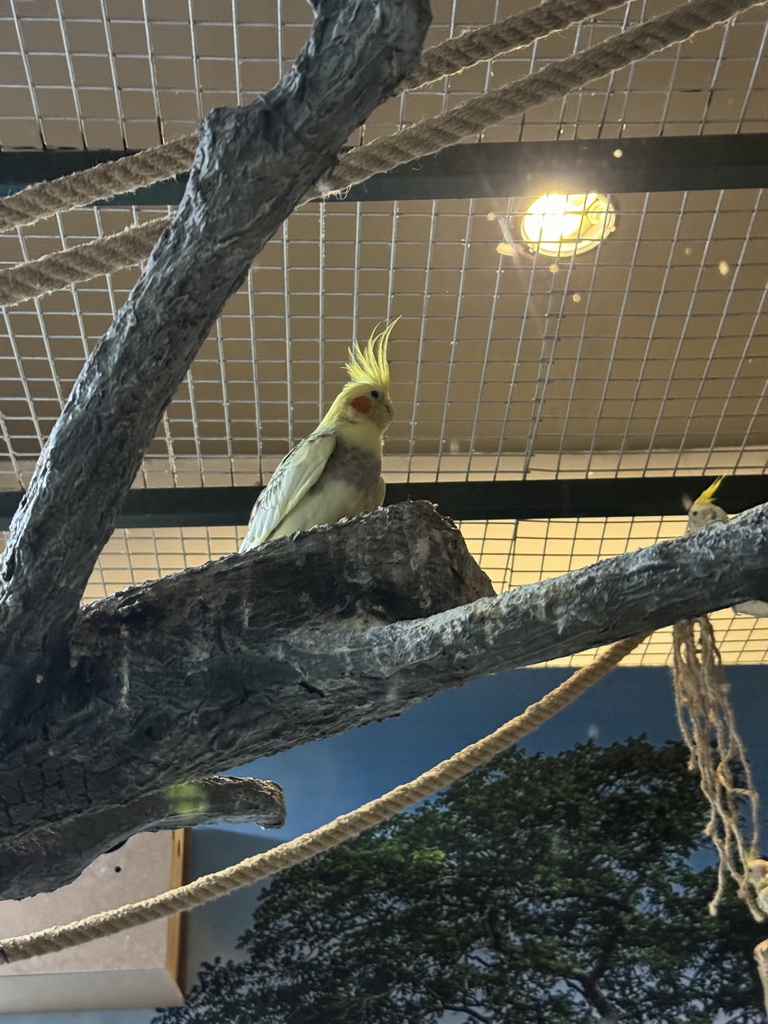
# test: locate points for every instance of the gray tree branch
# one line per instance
(60, 852)
(312, 635)
(252, 166)
(116, 732)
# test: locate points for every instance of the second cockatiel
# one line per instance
(703, 511)
(336, 471)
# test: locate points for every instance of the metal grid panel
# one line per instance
(655, 344)
(111, 73)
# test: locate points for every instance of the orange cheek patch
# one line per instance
(362, 404)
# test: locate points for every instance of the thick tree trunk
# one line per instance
(312, 635)
(196, 672)
(252, 166)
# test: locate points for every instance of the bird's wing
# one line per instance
(758, 610)
(299, 470)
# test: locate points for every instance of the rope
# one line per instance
(475, 45)
(131, 172)
(472, 117)
(210, 887)
(708, 727)
(80, 263)
(556, 79)
(108, 179)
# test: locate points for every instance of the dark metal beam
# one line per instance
(603, 165)
(491, 169)
(513, 499)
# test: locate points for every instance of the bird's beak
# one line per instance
(391, 410)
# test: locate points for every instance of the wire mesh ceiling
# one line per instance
(646, 356)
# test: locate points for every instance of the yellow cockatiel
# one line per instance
(336, 471)
(703, 511)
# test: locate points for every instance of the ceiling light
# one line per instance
(566, 225)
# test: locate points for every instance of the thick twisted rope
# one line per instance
(80, 263)
(428, 136)
(475, 45)
(100, 182)
(151, 165)
(211, 887)
(556, 79)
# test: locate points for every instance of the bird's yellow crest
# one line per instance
(369, 365)
(707, 495)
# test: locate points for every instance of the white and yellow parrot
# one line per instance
(703, 511)
(336, 471)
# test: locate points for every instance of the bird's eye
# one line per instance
(374, 394)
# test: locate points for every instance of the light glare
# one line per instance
(566, 225)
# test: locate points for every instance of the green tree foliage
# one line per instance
(540, 890)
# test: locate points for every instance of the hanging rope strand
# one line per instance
(708, 727)
(558, 79)
(46, 198)
(210, 887)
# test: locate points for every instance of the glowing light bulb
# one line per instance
(567, 225)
